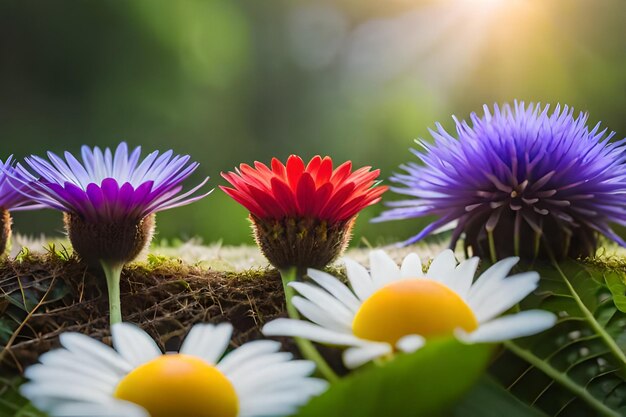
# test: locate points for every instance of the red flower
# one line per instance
(299, 191)
(303, 215)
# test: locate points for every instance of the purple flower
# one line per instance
(109, 202)
(11, 199)
(107, 187)
(10, 196)
(518, 181)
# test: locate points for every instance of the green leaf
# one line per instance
(489, 399)
(12, 404)
(616, 281)
(424, 383)
(577, 368)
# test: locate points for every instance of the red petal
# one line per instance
(321, 198)
(357, 204)
(245, 200)
(263, 170)
(236, 181)
(306, 195)
(325, 171)
(295, 168)
(252, 176)
(336, 201)
(314, 165)
(341, 173)
(267, 201)
(279, 169)
(284, 196)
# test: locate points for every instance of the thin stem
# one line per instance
(492, 246)
(561, 378)
(113, 273)
(307, 348)
(615, 349)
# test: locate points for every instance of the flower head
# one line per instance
(399, 308)
(519, 180)
(11, 199)
(303, 214)
(10, 196)
(109, 197)
(87, 378)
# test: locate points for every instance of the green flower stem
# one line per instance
(307, 348)
(562, 378)
(113, 273)
(597, 327)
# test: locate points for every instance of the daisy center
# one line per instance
(179, 385)
(414, 306)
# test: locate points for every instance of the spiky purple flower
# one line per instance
(109, 200)
(518, 181)
(108, 197)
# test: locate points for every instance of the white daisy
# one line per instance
(87, 378)
(398, 308)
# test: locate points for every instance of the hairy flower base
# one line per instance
(301, 242)
(5, 229)
(546, 239)
(115, 243)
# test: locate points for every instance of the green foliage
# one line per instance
(489, 399)
(616, 284)
(424, 383)
(12, 404)
(577, 368)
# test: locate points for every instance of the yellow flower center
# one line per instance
(179, 385)
(413, 306)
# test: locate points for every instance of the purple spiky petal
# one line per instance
(518, 181)
(108, 186)
(10, 196)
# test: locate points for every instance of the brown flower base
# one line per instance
(550, 240)
(115, 243)
(301, 242)
(5, 229)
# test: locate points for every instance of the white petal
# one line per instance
(95, 352)
(521, 324)
(54, 375)
(310, 331)
(464, 275)
(133, 344)
(283, 402)
(240, 356)
(42, 395)
(318, 315)
(383, 269)
(442, 267)
(274, 373)
(410, 343)
(508, 293)
(64, 359)
(207, 341)
(324, 300)
(411, 267)
(110, 409)
(242, 373)
(359, 278)
(492, 276)
(336, 288)
(357, 356)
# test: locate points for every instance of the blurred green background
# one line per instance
(232, 81)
